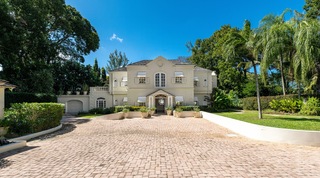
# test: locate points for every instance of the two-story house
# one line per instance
(153, 83)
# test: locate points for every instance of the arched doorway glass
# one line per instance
(160, 101)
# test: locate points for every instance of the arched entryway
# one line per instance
(160, 101)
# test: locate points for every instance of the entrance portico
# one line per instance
(160, 99)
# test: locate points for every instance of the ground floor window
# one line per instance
(101, 103)
(142, 104)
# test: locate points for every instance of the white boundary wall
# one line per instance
(272, 134)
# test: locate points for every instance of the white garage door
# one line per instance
(74, 107)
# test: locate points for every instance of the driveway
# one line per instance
(163, 146)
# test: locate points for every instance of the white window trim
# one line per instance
(160, 78)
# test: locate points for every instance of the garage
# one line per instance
(74, 106)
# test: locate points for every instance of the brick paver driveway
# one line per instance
(159, 147)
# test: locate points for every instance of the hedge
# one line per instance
(25, 118)
(250, 103)
(21, 97)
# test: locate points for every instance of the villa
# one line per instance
(152, 83)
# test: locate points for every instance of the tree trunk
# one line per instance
(257, 88)
(282, 76)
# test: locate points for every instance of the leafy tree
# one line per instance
(312, 8)
(117, 60)
(96, 68)
(103, 74)
(307, 56)
(34, 34)
(241, 45)
(278, 46)
(229, 77)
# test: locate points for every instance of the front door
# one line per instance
(160, 105)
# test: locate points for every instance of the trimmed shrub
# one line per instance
(250, 103)
(131, 108)
(188, 108)
(290, 105)
(24, 118)
(21, 97)
(101, 110)
(311, 107)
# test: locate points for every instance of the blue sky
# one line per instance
(145, 29)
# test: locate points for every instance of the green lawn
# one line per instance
(88, 116)
(281, 121)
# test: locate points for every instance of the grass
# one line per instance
(280, 121)
(88, 116)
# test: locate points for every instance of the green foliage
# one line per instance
(125, 110)
(33, 117)
(250, 103)
(285, 121)
(21, 97)
(131, 108)
(144, 109)
(196, 109)
(178, 109)
(311, 107)
(117, 60)
(229, 77)
(289, 105)
(221, 100)
(101, 110)
(312, 8)
(70, 75)
(234, 99)
(34, 34)
(187, 108)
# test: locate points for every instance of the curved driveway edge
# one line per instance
(264, 133)
(30, 136)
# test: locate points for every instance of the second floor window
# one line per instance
(142, 80)
(178, 80)
(160, 80)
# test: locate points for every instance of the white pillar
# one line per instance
(1, 103)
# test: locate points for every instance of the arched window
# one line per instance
(101, 103)
(160, 80)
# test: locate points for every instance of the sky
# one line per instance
(146, 29)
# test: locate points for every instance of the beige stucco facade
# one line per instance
(153, 83)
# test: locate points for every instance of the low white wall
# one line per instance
(253, 131)
(34, 135)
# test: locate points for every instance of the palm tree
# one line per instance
(277, 36)
(307, 56)
(242, 46)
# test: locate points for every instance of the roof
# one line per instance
(6, 84)
(119, 69)
(145, 62)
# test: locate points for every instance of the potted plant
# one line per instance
(169, 110)
(4, 126)
(152, 110)
(126, 112)
(178, 112)
(78, 90)
(144, 112)
(85, 89)
(196, 113)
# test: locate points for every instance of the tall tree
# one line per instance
(312, 8)
(117, 60)
(96, 68)
(307, 57)
(278, 49)
(35, 33)
(241, 45)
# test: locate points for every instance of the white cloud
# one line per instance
(115, 37)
